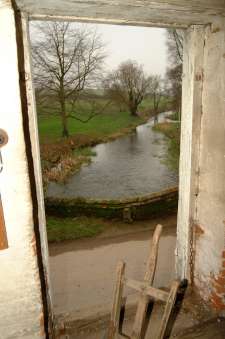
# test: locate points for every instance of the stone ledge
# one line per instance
(139, 208)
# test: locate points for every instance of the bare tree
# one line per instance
(175, 45)
(174, 71)
(127, 85)
(66, 58)
(156, 93)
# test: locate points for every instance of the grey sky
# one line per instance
(144, 44)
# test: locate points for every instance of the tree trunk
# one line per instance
(65, 131)
(133, 110)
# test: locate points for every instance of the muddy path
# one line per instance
(82, 272)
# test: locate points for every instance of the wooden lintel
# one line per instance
(158, 12)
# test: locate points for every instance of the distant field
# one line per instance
(50, 126)
(109, 122)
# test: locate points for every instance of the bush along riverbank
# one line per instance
(172, 131)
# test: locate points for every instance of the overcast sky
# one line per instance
(144, 44)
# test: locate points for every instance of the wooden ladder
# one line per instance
(146, 293)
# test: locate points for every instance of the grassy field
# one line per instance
(109, 122)
(147, 104)
(100, 126)
(172, 132)
(61, 229)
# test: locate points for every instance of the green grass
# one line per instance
(61, 229)
(172, 132)
(147, 103)
(100, 126)
(107, 123)
(175, 116)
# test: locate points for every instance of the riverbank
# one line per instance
(130, 209)
(172, 131)
(62, 231)
(63, 157)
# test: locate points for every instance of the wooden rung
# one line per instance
(148, 290)
(125, 336)
(148, 278)
(148, 295)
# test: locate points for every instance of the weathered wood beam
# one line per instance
(193, 76)
(117, 302)
(148, 279)
(128, 12)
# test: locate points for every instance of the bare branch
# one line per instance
(93, 114)
(66, 59)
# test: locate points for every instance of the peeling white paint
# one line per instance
(20, 294)
(211, 199)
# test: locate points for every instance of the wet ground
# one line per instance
(82, 272)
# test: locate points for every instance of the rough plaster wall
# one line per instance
(211, 199)
(21, 302)
(158, 12)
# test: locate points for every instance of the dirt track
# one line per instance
(82, 272)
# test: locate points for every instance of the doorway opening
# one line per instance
(109, 143)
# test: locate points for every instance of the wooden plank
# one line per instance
(148, 290)
(168, 309)
(3, 236)
(193, 77)
(170, 12)
(149, 278)
(117, 302)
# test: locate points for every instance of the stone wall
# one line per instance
(141, 208)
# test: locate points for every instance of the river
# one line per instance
(133, 165)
